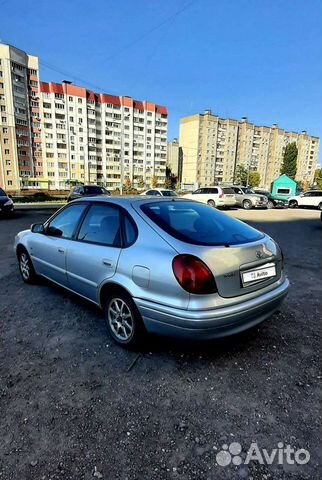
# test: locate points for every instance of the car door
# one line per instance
(307, 200)
(238, 194)
(198, 195)
(94, 254)
(48, 250)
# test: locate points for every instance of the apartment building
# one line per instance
(174, 159)
(54, 135)
(213, 148)
(20, 124)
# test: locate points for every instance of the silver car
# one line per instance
(166, 266)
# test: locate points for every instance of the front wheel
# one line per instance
(320, 206)
(123, 320)
(270, 204)
(293, 204)
(26, 267)
(247, 204)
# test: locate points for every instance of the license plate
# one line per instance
(261, 273)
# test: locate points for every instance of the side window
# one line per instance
(213, 190)
(77, 190)
(238, 191)
(149, 192)
(130, 231)
(67, 221)
(101, 225)
(308, 194)
(203, 190)
(197, 192)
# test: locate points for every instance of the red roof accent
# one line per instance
(160, 109)
(138, 105)
(44, 87)
(106, 98)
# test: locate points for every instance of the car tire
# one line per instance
(270, 204)
(211, 203)
(123, 320)
(320, 206)
(247, 205)
(26, 267)
(293, 204)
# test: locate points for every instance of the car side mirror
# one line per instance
(37, 228)
(54, 232)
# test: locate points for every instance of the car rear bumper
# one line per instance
(215, 323)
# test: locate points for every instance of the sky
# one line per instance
(256, 58)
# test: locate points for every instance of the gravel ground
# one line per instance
(75, 406)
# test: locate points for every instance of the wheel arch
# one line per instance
(108, 288)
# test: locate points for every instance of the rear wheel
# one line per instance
(211, 203)
(123, 320)
(26, 267)
(270, 204)
(320, 206)
(247, 204)
(293, 204)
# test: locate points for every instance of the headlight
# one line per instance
(9, 202)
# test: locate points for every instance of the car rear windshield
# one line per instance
(95, 190)
(199, 224)
(169, 193)
(228, 190)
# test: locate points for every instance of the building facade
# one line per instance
(174, 159)
(56, 135)
(213, 148)
(20, 124)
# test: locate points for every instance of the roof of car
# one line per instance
(129, 199)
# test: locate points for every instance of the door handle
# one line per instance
(107, 262)
(61, 250)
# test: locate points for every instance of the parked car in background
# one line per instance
(312, 199)
(160, 192)
(247, 198)
(6, 204)
(87, 191)
(214, 196)
(167, 266)
(273, 202)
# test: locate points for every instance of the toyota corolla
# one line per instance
(158, 265)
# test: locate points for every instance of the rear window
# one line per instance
(228, 190)
(95, 190)
(169, 193)
(199, 224)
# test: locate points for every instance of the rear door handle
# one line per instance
(107, 262)
(61, 250)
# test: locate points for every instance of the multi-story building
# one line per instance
(174, 159)
(214, 147)
(54, 135)
(20, 142)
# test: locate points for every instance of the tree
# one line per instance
(141, 184)
(318, 178)
(241, 175)
(154, 182)
(254, 179)
(127, 185)
(178, 185)
(167, 183)
(289, 160)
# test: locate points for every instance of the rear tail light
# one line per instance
(193, 275)
(221, 195)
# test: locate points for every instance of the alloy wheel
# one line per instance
(120, 319)
(24, 266)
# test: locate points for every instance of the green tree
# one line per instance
(241, 175)
(141, 184)
(254, 179)
(127, 185)
(178, 185)
(318, 178)
(289, 160)
(155, 181)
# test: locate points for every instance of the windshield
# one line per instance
(169, 193)
(2, 193)
(247, 190)
(199, 224)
